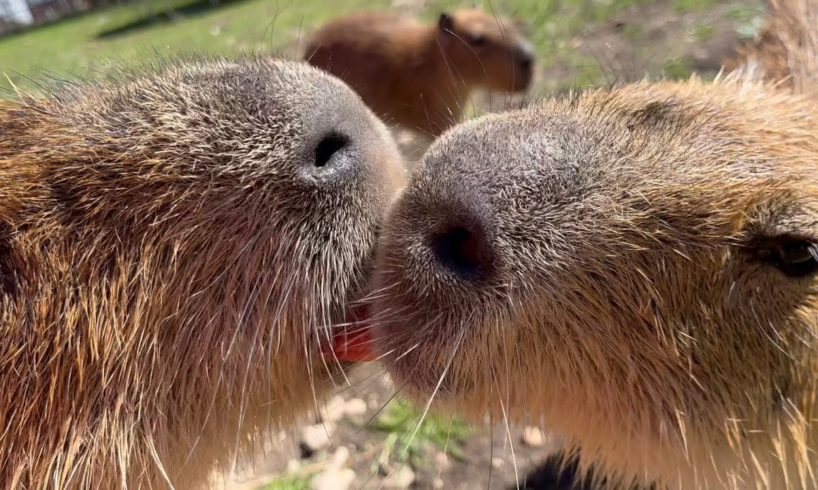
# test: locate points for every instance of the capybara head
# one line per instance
(486, 51)
(174, 246)
(636, 269)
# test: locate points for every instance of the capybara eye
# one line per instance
(328, 147)
(794, 257)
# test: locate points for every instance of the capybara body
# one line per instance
(173, 247)
(634, 268)
(420, 76)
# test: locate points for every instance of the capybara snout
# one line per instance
(175, 247)
(486, 50)
(636, 264)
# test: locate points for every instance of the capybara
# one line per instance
(420, 76)
(635, 268)
(174, 246)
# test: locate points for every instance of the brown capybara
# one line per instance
(420, 76)
(174, 246)
(635, 268)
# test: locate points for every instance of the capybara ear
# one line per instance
(446, 22)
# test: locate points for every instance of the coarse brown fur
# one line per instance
(171, 256)
(420, 76)
(635, 268)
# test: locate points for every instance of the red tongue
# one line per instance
(353, 346)
(353, 343)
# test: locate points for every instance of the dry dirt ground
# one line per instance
(353, 447)
(353, 443)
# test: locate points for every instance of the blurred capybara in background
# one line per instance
(420, 76)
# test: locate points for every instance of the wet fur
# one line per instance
(165, 275)
(621, 300)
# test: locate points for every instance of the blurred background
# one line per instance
(579, 43)
(363, 438)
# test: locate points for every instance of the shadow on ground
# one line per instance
(169, 15)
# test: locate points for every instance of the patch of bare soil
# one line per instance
(342, 448)
(657, 40)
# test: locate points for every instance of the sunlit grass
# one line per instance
(406, 442)
(288, 483)
(75, 47)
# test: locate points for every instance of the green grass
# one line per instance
(406, 442)
(78, 48)
(677, 69)
(288, 483)
(72, 47)
(749, 21)
(684, 6)
(703, 33)
(553, 26)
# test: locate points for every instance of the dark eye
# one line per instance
(795, 257)
(477, 40)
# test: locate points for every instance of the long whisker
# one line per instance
(508, 429)
(457, 345)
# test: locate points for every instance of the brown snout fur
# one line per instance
(171, 257)
(634, 268)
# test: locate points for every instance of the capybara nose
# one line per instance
(525, 58)
(463, 252)
(526, 64)
(345, 146)
(335, 155)
(331, 151)
(526, 55)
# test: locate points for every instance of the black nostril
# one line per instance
(462, 252)
(526, 63)
(329, 146)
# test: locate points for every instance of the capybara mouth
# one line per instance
(352, 340)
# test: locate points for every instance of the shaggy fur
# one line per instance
(421, 76)
(635, 268)
(170, 258)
